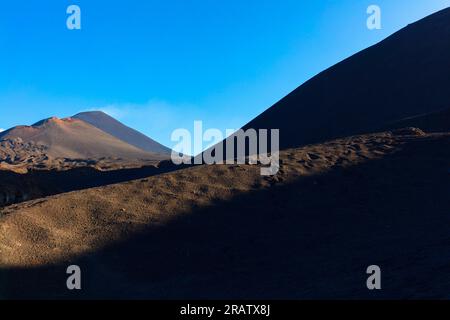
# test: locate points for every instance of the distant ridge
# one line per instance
(76, 139)
(117, 129)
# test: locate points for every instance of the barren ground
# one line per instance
(224, 231)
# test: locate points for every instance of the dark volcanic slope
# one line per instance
(73, 138)
(430, 122)
(405, 75)
(117, 129)
(226, 232)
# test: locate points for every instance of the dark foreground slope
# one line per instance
(226, 232)
(117, 129)
(405, 75)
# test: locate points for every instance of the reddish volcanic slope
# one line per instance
(73, 138)
(117, 129)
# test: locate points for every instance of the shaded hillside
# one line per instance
(431, 122)
(405, 75)
(115, 128)
(227, 232)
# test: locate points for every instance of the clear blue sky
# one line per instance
(158, 65)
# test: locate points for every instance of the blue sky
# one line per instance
(158, 65)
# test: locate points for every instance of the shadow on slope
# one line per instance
(16, 188)
(313, 238)
(430, 122)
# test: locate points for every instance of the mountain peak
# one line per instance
(54, 120)
(108, 124)
(93, 112)
(75, 139)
